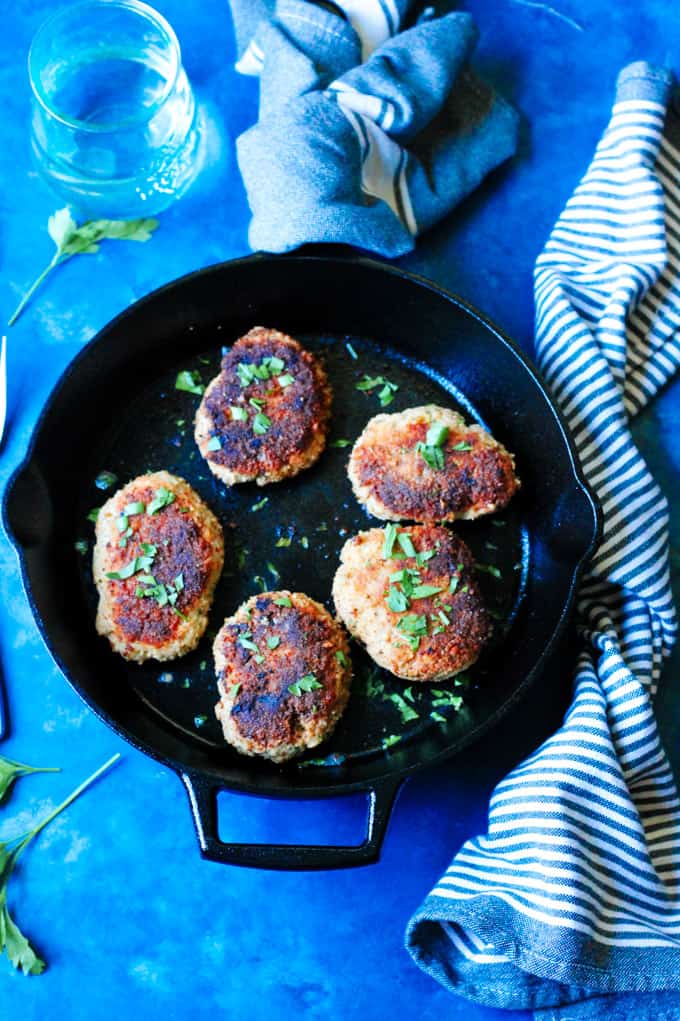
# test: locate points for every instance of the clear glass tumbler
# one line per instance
(114, 126)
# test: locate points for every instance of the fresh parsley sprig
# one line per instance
(71, 239)
(11, 771)
(12, 940)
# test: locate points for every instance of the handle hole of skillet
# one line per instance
(339, 821)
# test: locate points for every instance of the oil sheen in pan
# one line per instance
(289, 535)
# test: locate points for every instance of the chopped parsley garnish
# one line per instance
(389, 540)
(445, 698)
(246, 640)
(261, 424)
(199, 720)
(341, 658)
(248, 372)
(424, 556)
(282, 601)
(273, 642)
(214, 443)
(122, 523)
(81, 547)
(423, 591)
(260, 582)
(397, 601)
(283, 542)
(407, 713)
(305, 684)
(390, 740)
(238, 414)
(105, 480)
(179, 582)
(135, 565)
(462, 446)
(260, 504)
(431, 450)
(406, 544)
(385, 394)
(136, 507)
(351, 351)
(446, 620)
(341, 443)
(234, 690)
(285, 380)
(189, 381)
(453, 584)
(256, 402)
(93, 514)
(304, 542)
(413, 627)
(273, 571)
(489, 569)
(163, 498)
(437, 717)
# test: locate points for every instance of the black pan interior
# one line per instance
(131, 419)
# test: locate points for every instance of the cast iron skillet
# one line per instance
(116, 408)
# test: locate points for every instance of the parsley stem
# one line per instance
(57, 258)
(60, 808)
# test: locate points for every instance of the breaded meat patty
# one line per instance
(158, 556)
(265, 417)
(426, 464)
(283, 673)
(409, 595)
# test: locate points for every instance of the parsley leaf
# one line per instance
(214, 443)
(163, 498)
(423, 591)
(397, 601)
(385, 394)
(10, 771)
(406, 543)
(190, 382)
(305, 684)
(261, 424)
(389, 540)
(489, 569)
(238, 414)
(105, 480)
(282, 601)
(431, 450)
(71, 239)
(12, 940)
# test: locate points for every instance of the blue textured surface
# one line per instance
(114, 894)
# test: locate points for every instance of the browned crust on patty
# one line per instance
(298, 413)
(391, 478)
(456, 622)
(258, 712)
(189, 543)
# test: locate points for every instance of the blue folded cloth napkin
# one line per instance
(573, 894)
(366, 134)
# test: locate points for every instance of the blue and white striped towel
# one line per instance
(366, 135)
(574, 892)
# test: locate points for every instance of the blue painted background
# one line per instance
(114, 894)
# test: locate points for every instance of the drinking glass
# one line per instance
(114, 127)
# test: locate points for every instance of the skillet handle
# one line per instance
(202, 793)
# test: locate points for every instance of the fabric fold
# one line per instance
(367, 134)
(574, 891)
